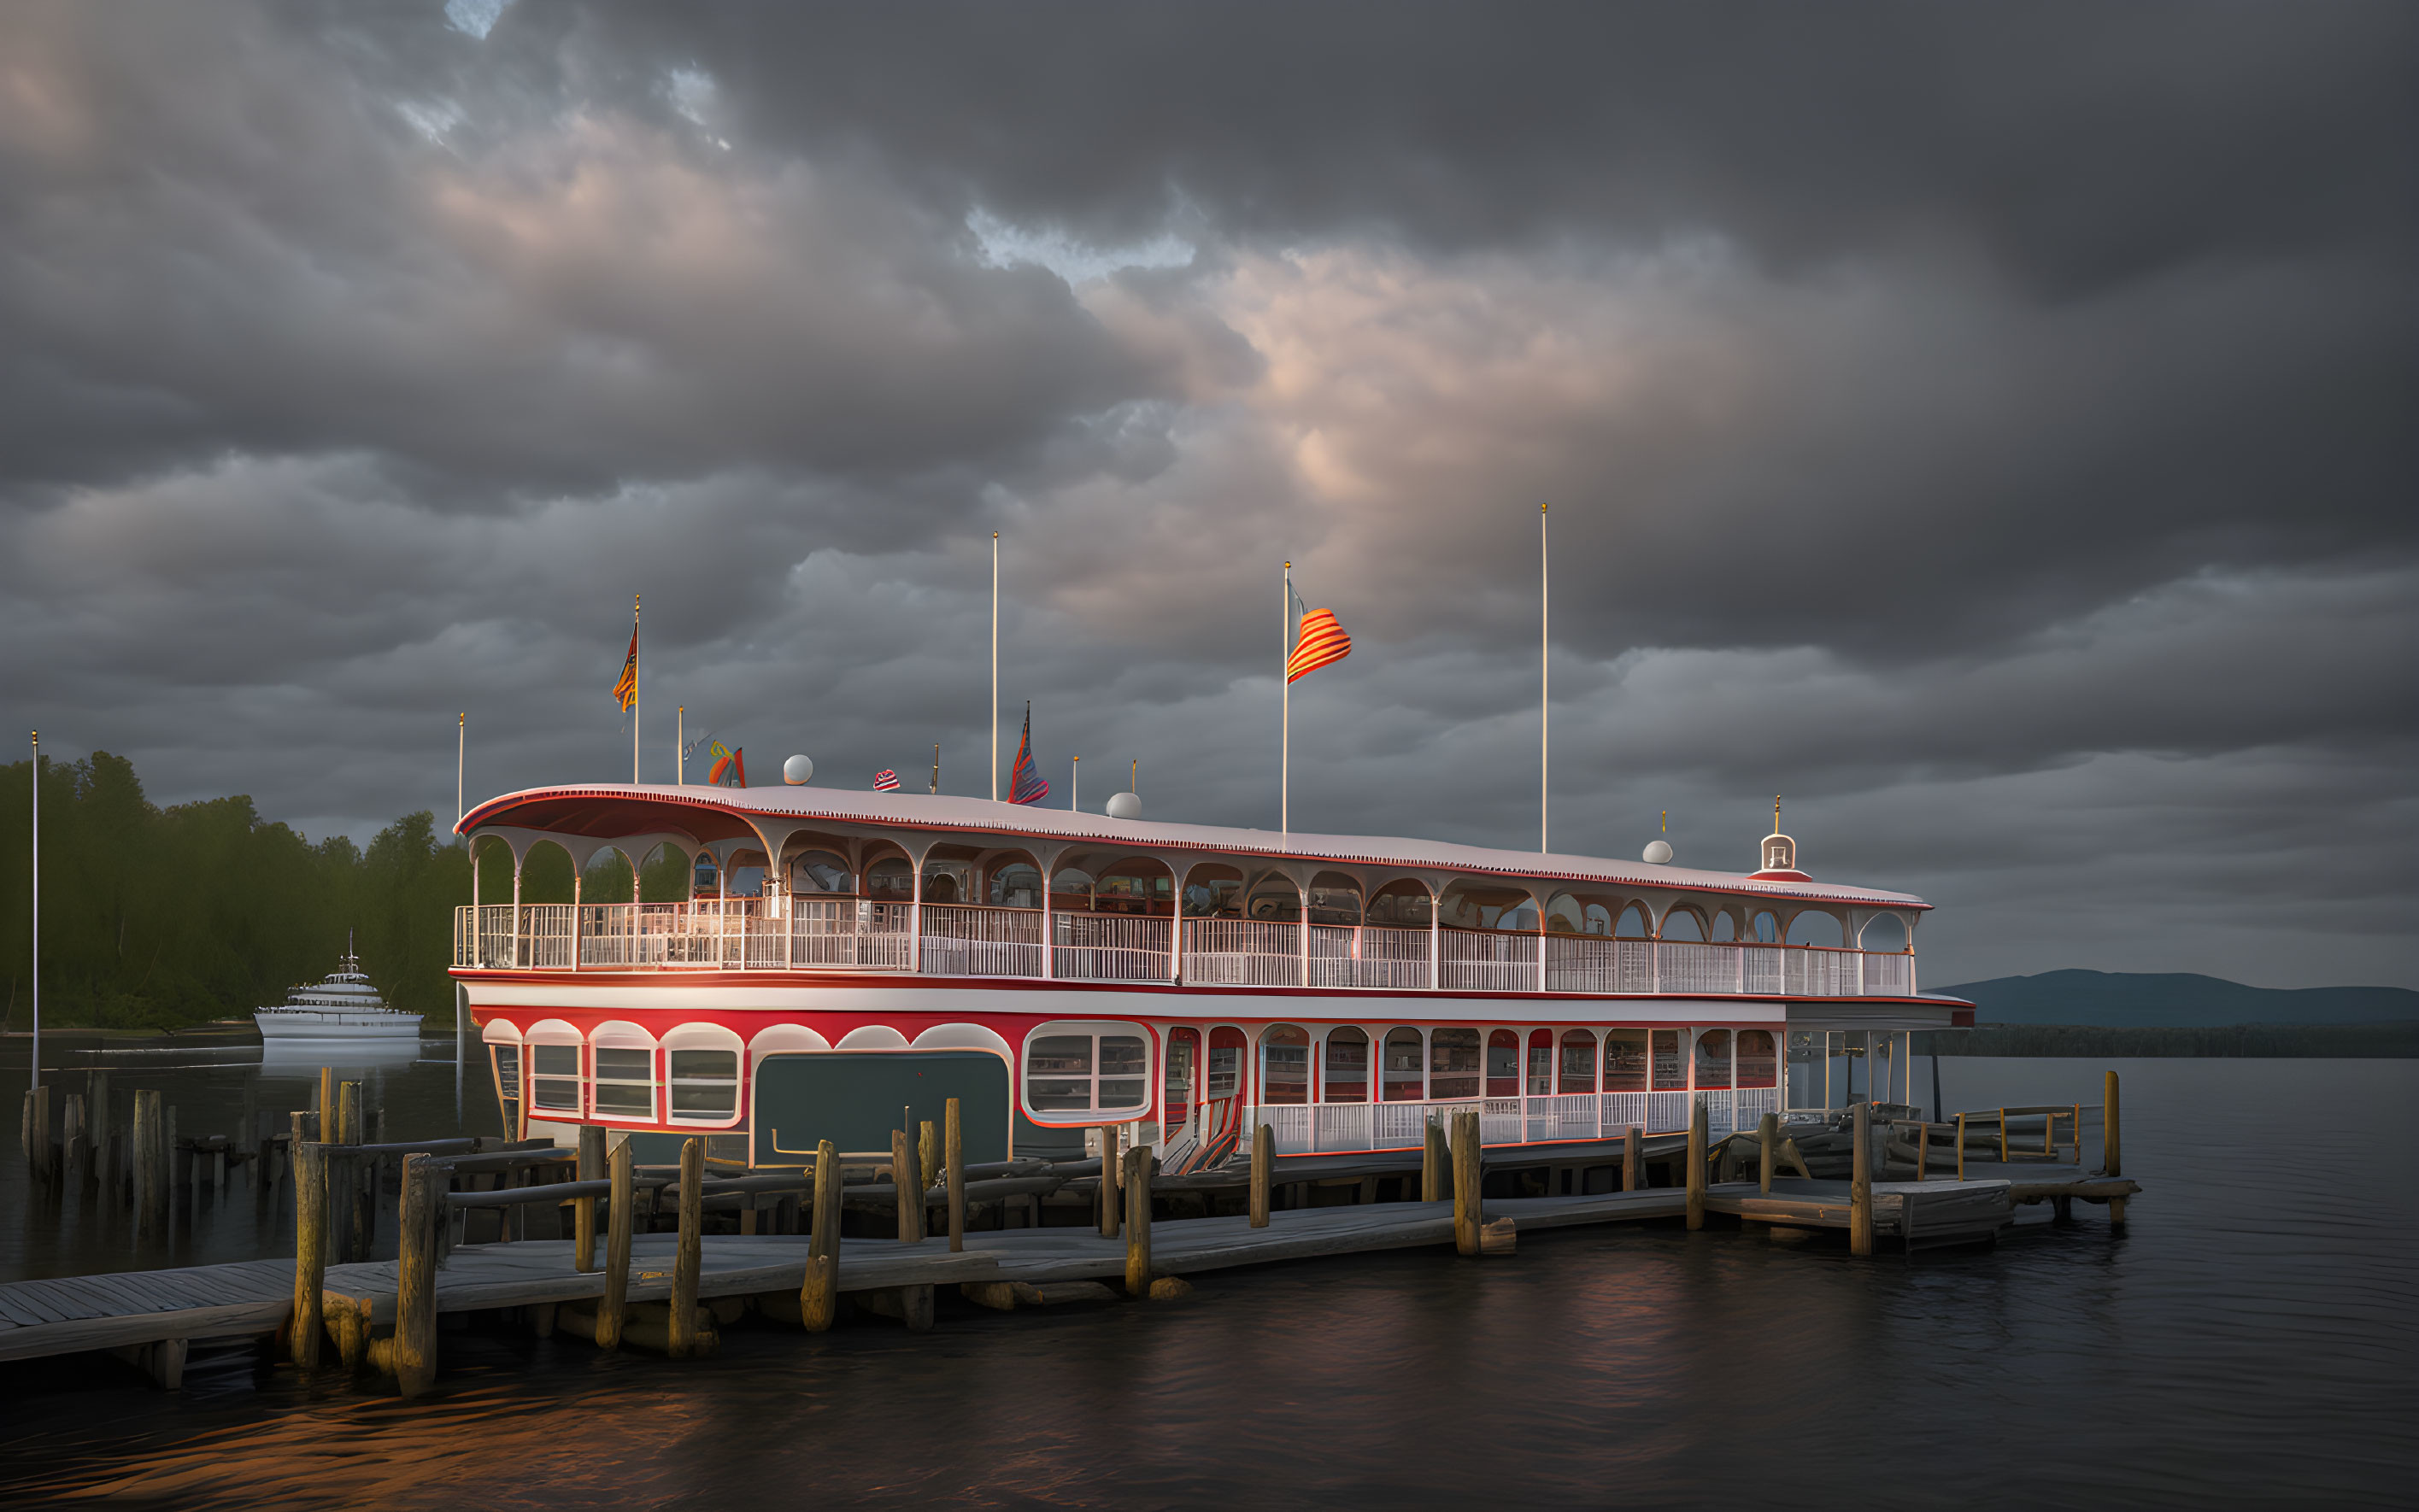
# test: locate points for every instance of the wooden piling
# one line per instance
(1633, 1163)
(410, 1356)
(928, 1153)
(146, 1114)
(1434, 1162)
(310, 1241)
(620, 1210)
(953, 1157)
(903, 1181)
(1696, 1162)
(1264, 1160)
(2111, 1156)
(584, 1209)
(1961, 1147)
(1767, 1145)
(72, 1156)
(1137, 1185)
(1108, 1180)
(818, 1297)
(1467, 1218)
(1860, 1186)
(689, 1259)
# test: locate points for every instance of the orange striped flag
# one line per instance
(1318, 640)
(625, 688)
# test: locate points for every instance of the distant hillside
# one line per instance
(2126, 1000)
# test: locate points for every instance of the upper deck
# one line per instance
(808, 879)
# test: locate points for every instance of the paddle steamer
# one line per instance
(844, 959)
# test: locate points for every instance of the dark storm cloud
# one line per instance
(1991, 428)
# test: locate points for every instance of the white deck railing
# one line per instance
(1321, 1128)
(808, 934)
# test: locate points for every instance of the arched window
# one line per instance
(1882, 932)
(1714, 1060)
(1502, 1063)
(1405, 1057)
(890, 879)
(1541, 1062)
(1453, 1064)
(1681, 922)
(1725, 928)
(1070, 890)
(504, 1043)
(1624, 1061)
(1671, 1071)
(1285, 1065)
(1334, 899)
(1088, 1068)
(1600, 919)
(623, 1067)
(1183, 1063)
(1348, 1067)
(1213, 892)
(554, 1068)
(1274, 899)
(1401, 903)
(702, 1067)
(820, 871)
(1633, 923)
(1577, 1072)
(1225, 1061)
(1813, 928)
(1015, 884)
(1756, 1064)
(1565, 915)
(1766, 930)
(1135, 886)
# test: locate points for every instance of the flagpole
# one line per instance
(1284, 701)
(1075, 785)
(461, 744)
(37, 910)
(995, 666)
(1545, 682)
(680, 746)
(633, 696)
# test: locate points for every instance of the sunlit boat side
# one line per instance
(343, 1005)
(844, 959)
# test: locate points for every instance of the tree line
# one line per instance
(154, 917)
(2261, 1041)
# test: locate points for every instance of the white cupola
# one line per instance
(1780, 855)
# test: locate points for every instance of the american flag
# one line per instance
(886, 781)
(1319, 640)
(1025, 783)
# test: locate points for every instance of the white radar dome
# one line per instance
(1657, 853)
(1125, 805)
(797, 770)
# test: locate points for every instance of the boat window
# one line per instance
(1624, 1061)
(1671, 1072)
(1081, 1069)
(1577, 1072)
(891, 880)
(554, 1077)
(1405, 1081)
(1453, 1063)
(820, 871)
(1714, 1059)
(1016, 885)
(1503, 1063)
(625, 1083)
(1348, 1067)
(1183, 1054)
(508, 1071)
(1226, 1062)
(1285, 1065)
(704, 1084)
(1756, 1064)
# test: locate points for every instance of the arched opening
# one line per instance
(1013, 882)
(1070, 890)
(664, 874)
(1681, 921)
(1598, 920)
(1634, 923)
(554, 1069)
(1624, 1061)
(1404, 1070)
(1486, 905)
(1575, 1073)
(493, 856)
(1401, 903)
(1225, 1061)
(1212, 891)
(1177, 1079)
(1502, 1063)
(702, 1074)
(1347, 1075)
(1565, 915)
(1273, 899)
(890, 879)
(1541, 1062)
(1758, 1067)
(1453, 1069)
(1334, 899)
(546, 873)
(1714, 1060)
(1285, 1065)
(623, 1072)
(820, 873)
(1883, 932)
(1765, 930)
(608, 878)
(1671, 1066)
(1136, 885)
(1725, 928)
(1814, 928)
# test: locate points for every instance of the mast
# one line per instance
(461, 744)
(633, 696)
(1285, 697)
(995, 666)
(37, 1058)
(1544, 686)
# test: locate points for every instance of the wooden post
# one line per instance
(2111, 1154)
(583, 1210)
(419, 1213)
(903, 1171)
(691, 1254)
(73, 1156)
(2077, 1128)
(1633, 1164)
(928, 1153)
(1961, 1147)
(1108, 1180)
(819, 1298)
(953, 1156)
(1434, 1162)
(1137, 1185)
(1695, 1160)
(1860, 1186)
(1767, 1144)
(310, 1241)
(619, 1210)
(2003, 1137)
(1264, 1159)
(1467, 1218)
(146, 1119)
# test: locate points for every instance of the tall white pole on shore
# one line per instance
(995, 666)
(1545, 684)
(1284, 702)
(37, 909)
(633, 696)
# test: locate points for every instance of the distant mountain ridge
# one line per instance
(2174, 999)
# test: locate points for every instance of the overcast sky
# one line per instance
(1990, 428)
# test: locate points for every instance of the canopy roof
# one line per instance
(616, 811)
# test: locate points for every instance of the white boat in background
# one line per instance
(341, 1006)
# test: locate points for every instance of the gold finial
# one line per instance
(1776, 813)
(1667, 821)
(1541, 508)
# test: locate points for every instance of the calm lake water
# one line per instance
(2252, 1340)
